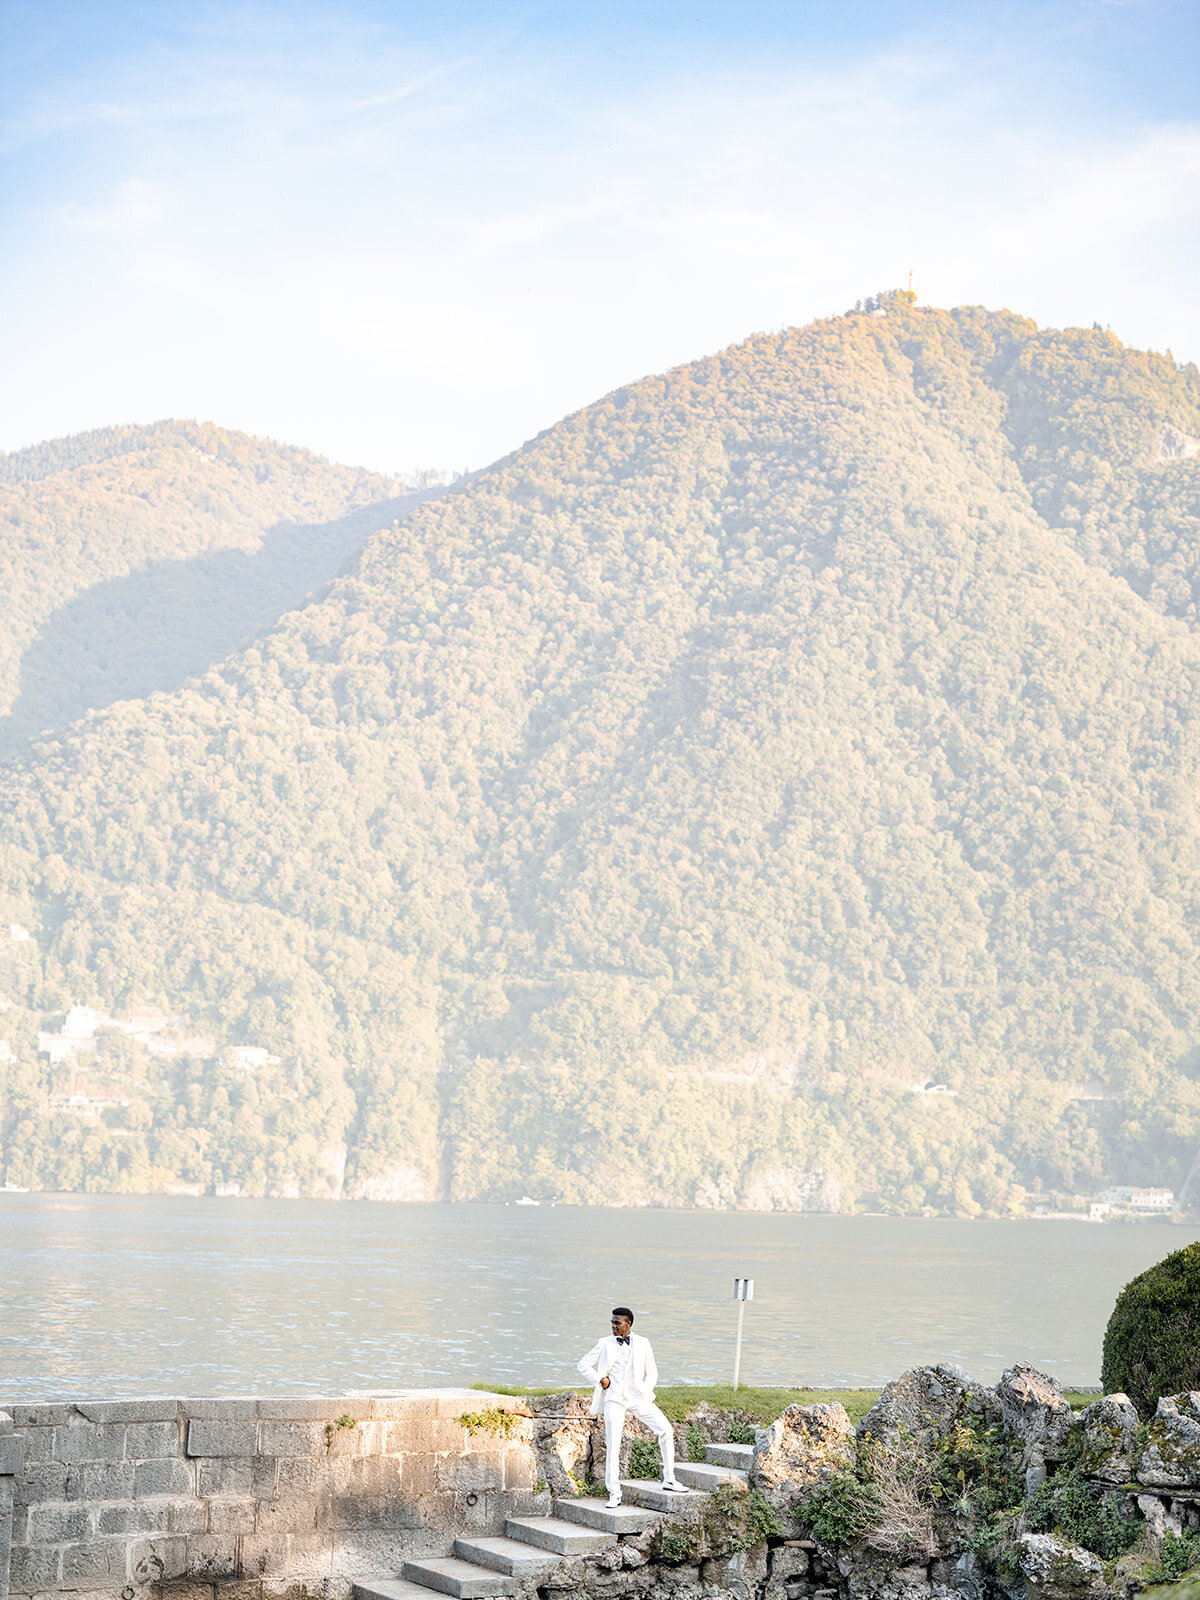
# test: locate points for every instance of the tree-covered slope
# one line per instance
(657, 813)
(132, 557)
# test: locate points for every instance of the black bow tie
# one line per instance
(623, 1340)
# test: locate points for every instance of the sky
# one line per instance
(413, 235)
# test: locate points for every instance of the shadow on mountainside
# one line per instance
(132, 636)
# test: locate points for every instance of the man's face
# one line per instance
(621, 1327)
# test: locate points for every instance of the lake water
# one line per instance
(105, 1295)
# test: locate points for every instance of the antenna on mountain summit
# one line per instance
(910, 287)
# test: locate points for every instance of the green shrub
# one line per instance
(1177, 1554)
(644, 1459)
(675, 1544)
(697, 1443)
(739, 1519)
(495, 1420)
(1152, 1343)
(741, 1433)
(1070, 1507)
(841, 1511)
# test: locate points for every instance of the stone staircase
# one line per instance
(533, 1546)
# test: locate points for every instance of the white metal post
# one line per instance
(743, 1290)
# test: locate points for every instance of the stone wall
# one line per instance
(119, 1500)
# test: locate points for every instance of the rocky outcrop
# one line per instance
(1171, 1459)
(1056, 1571)
(563, 1435)
(801, 1448)
(1108, 1439)
(922, 1404)
(1035, 1412)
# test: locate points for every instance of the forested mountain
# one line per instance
(133, 557)
(659, 815)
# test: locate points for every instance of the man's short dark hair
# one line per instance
(622, 1311)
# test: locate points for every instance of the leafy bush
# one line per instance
(644, 1459)
(697, 1443)
(495, 1420)
(739, 1519)
(1178, 1553)
(741, 1433)
(675, 1544)
(1070, 1507)
(1152, 1342)
(841, 1510)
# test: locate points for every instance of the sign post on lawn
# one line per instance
(743, 1290)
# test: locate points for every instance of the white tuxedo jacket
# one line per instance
(601, 1358)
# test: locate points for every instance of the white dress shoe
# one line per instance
(679, 1488)
(614, 1500)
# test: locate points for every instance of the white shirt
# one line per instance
(620, 1374)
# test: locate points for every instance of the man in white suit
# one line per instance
(624, 1373)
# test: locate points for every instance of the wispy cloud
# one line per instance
(404, 247)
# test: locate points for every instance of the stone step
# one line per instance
(705, 1475)
(730, 1455)
(512, 1556)
(462, 1579)
(595, 1514)
(556, 1533)
(390, 1589)
(653, 1497)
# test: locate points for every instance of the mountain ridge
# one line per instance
(815, 703)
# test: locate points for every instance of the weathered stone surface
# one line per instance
(800, 1448)
(1035, 1411)
(1171, 1459)
(924, 1402)
(221, 1438)
(1108, 1428)
(1056, 1571)
(562, 1440)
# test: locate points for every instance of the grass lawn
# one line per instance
(759, 1406)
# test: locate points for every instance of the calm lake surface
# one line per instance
(106, 1295)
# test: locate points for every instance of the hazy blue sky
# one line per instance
(409, 234)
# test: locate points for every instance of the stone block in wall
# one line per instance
(153, 1410)
(520, 1471)
(187, 1515)
(169, 1476)
(41, 1416)
(351, 1475)
(147, 1439)
(425, 1435)
(382, 1555)
(51, 1524)
(471, 1472)
(310, 1408)
(291, 1438)
(231, 1516)
(158, 1560)
(46, 1480)
(105, 1480)
(375, 1514)
(34, 1567)
(295, 1514)
(222, 1475)
(211, 1557)
(94, 1563)
(39, 1444)
(132, 1516)
(300, 1475)
(240, 1409)
(419, 1476)
(220, 1438)
(293, 1555)
(89, 1441)
(12, 1455)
